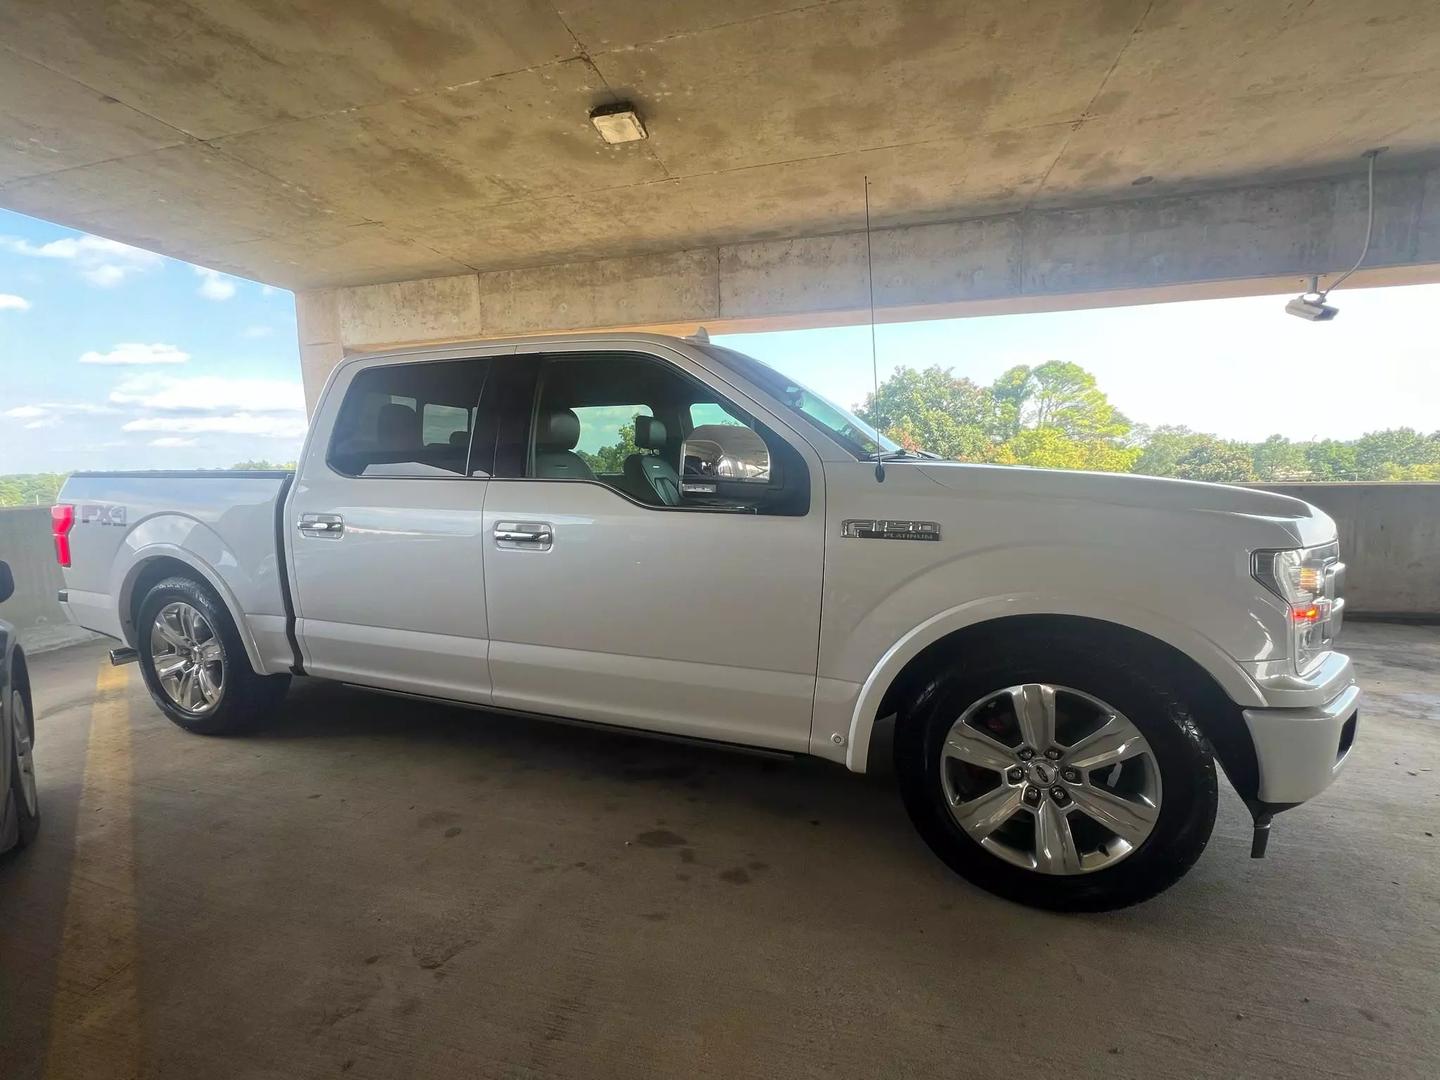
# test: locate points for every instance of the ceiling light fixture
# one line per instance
(618, 123)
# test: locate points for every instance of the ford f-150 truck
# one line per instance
(665, 535)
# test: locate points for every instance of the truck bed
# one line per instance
(131, 528)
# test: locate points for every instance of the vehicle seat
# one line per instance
(650, 476)
(556, 434)
(397, 429)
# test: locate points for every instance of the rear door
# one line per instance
(386, 529)
(624, 588)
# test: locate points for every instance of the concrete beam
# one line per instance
(1235, 242)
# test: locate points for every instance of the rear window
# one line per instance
(411, 421)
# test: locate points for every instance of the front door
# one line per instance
(637, 575)
(386, 530)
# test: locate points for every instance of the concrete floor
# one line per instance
(376, 888)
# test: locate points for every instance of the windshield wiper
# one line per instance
(904, 455)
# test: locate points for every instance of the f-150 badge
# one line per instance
(890, 530)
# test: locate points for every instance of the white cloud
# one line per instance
(46, 413)
(24, 412)
(257, 331)
(102, 262)
(212, 405)
(107, 275)
(214, 285)
(11, 302)
(265, 426)
(133, 353)
(173, 440)
(209, 394)
(49, 421)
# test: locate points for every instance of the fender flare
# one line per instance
(135, 565)
(1224, 669)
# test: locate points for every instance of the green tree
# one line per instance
(610, 460)
(1277, 458)
(1055, 416)
(1216, 460)
(1163, 447)
(933, 410)
(1051, 448)
(1396, 454)
(1056, 394)
(1330, 459)
(31, 489)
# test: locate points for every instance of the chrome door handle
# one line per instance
(529, 535)
(321, 524)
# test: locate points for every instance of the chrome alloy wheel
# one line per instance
(188, 659)
(24, 752)
(1050, 779)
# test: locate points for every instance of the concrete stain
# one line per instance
(430, 957)
(659, 838)
(736, 875)
(451, 832)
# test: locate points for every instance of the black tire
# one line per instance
(246, 698)
(1139, 690)
(20, 825)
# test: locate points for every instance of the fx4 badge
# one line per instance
(890, 530)
(100, 514)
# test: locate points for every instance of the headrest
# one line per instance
(558, 430)
(460, 438)
(649, 433)
(397, 427)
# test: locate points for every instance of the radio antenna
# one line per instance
(874, 354)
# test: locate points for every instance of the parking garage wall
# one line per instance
(26, 545)
(1389, 540)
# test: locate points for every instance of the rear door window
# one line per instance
(415, 420)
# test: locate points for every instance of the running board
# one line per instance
(123, 656)
(596, 725)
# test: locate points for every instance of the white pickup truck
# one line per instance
(664, 535)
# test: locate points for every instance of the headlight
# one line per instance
(1310, 581)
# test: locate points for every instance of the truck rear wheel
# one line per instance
(1056, 775)
(194, 662)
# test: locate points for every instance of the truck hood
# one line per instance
(1276, 517)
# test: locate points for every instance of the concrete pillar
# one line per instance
(1245, 241)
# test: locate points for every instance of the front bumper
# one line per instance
(1300, 751)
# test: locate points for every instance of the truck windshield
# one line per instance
(843, 426)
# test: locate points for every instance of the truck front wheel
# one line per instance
(1055, 774)
(194, 663)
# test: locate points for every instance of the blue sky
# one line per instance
(114, 358)
(111, 357)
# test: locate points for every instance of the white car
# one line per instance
(536, 526)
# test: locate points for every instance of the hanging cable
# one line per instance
(1369, 224)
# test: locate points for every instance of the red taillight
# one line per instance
(1306, 613)
(62, 519)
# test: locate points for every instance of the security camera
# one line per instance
(1315, 310)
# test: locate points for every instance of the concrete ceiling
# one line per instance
(311, 143)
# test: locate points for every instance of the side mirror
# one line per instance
(7, 582)
(726, 452)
